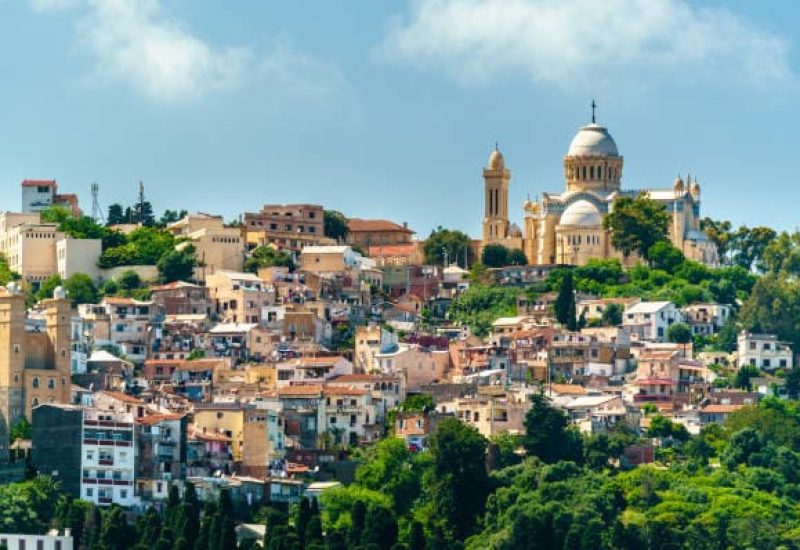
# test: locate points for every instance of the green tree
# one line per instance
(115, 215)
(662, 255)
(743, 376)
(266, 256)
(564, 305)
(494, 255)
(47, 287)
(612, 315)
(679, 333)
(547, 434)
(517, 257)
(21, 429)
(177, 265)
(459, 483)
(636, 224)
(335, 225)
(116, 534)
(453, 244)
(774, 307)
(749, 246)
(81, 289)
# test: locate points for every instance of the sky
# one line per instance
(390, 109)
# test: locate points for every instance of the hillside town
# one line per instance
(261, 358)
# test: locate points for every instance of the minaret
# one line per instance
(496, 178)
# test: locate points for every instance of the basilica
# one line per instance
(567, 227)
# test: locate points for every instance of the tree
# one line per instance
(494, 255)
(48, 286)
(177, 265)
(612, 315)
(547, 435)
(115, 214)
(636, 224)
(662, 255)
(21, 429)
(143, 212)
(335, 225)
(774, 307)
(459, 483)
(564, 305)
(743, 376)
(81, 289)
(749, 246)
(452, 245)
(170, 217)
(679, 333)
(266, 256)
(517, 257)
(793, 382)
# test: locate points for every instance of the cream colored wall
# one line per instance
(78, 256)
(32, 251)
(322, 262)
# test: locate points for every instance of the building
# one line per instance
(38, 195)
(120, 323)
(239, 297)
(78, 256)
(326, 259)
(706, 319)
(216, 246)
(31, 250)
(290, 226)
(161, 441)
(764, 351)
(90, 451)
(567, 227)
(222, 418)
(51, 541)
(375, 233)
(649, 321)
(181, 298)
(35, 364)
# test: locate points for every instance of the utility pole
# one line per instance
(141, 202)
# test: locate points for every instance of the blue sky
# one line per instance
(390, 109)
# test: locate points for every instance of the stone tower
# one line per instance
(496, 178)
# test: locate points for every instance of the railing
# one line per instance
(651, 397)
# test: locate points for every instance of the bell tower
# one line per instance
(496, 178)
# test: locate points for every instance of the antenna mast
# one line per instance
(141, 202)
(97, 212)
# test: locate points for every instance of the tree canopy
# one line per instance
(636, 224)
(452, 245)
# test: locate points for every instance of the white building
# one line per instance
(51, 541)
(706, 319)
(764, 351)
(78, 256)
(108, 458)
(650, 320)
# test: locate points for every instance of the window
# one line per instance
(89, 492)
(123, 493)
(51, 383)
(765, 363)
(35, 382)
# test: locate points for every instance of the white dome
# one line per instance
(593, 140)
(581, 213)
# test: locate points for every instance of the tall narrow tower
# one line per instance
(496, 178)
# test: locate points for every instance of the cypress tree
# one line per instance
(564, 305)
(357, 515)
(301, 519)
(416, 538)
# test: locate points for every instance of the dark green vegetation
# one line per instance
(266, 256)
(448, 244)
(497, 255)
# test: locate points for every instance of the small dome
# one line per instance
(527, 205)
(678, 185)
(13, 288)
(581, 213)
(593, 140)
(514, 231)
(694, 189)
(496, 161)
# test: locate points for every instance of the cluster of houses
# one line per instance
(262, 382)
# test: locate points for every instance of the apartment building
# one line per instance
(217, 246)
(290, 226)
(764, 351)
(120, 323)
(161, 454)
(38, 195)
(31, 250)
(649, 321)
(181, 298)
(239, 297)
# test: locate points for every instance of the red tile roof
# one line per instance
(289, 391)
(356, 225)
(154, 419)
(402, 249)
(336, 390)
(119, 396)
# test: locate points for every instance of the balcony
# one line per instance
(104, 500)
(106, 462)
(650, 398)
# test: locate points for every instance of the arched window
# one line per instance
(35, 382)
(34, 402)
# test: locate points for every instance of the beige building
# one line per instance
(217, 247)
(78, 256)
(491, 413)
(290, 226)
(567, 228)
(9, 220)
(326, 259)
(34, 366)
(222, 418)
(369, 233)
(420, 367)
(239, 297)
(31, 250)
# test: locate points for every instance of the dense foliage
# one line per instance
(482, 304)
(335, 225)
(497, 255)
(636, 224)
(448, 244)
(266, 256)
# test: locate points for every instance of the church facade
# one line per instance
(567, 227)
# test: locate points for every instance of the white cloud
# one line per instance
(587, 43)
(138, 42)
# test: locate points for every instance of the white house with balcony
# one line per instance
(764, 351)
(649, 321)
